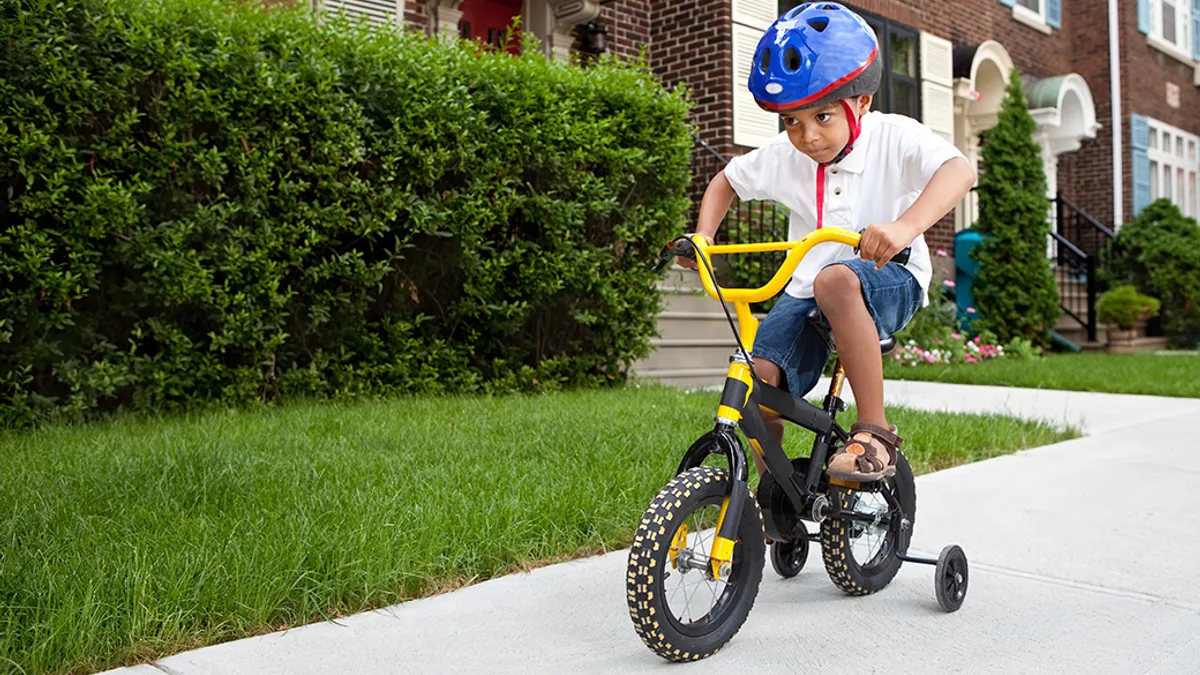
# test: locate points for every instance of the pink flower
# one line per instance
(970, 310)
(941, 253)
(971, 359)
(956, 336)
(948, 283)
(976, 339)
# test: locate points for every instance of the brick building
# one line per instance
(947, 64)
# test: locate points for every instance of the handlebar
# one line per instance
(696, 245)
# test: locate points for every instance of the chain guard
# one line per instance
(781, 520)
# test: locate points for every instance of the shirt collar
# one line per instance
(856, 161)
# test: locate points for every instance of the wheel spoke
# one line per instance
(687, 604)
(698, 550)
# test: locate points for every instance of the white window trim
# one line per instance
(1035, 20)
(1155, 37)
(1161, 157)
(1170, 49)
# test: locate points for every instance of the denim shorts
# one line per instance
(784, 338)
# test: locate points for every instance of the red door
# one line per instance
(487, 20)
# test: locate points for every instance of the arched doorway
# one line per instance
(980, 75)
(553, 22)
(488, 21)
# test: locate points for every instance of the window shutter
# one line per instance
(937, 60)
(1144, 16)
(1196, 30)
(376, 12)
(758, 14)
(1139, 130)
(752, 126)
(1008, 3)
(937, 78)
(1054, 13)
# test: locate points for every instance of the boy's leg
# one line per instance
(839, 294)
(863, 304)
(770, 373)
(780, 350)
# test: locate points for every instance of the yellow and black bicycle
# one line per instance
(698, 555)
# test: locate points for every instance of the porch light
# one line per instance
(595, 38)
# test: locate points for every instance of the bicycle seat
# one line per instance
(821, 324)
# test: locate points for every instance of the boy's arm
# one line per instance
(717, 198)
(949, 184)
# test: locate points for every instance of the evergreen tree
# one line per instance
(1015, 293)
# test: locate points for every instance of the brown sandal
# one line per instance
(869, 456)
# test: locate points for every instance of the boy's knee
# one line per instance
(835, 286)
(767, 371)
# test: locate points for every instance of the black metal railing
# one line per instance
(745, 221)
(1077, 247)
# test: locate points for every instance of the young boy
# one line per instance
(839, 165)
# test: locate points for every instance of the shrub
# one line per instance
(1015, 292)
(1125, 307)
(206, 201)
(1158, 253)
(935, 335)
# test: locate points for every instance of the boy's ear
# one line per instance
(864, 104)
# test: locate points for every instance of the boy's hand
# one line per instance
(690, 263)
(882, 241)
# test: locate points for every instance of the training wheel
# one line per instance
(951, 578)
(788, 557)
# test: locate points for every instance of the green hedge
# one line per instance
(210, 202)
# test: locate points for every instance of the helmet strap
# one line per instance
(855, 130)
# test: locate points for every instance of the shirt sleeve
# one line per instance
(924, 152)
(752, 175)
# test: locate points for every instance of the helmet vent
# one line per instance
(765, 62)
(819, 24)
(791, 59)
(829, 7)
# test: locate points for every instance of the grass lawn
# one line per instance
(1160, 375)
(132, 539)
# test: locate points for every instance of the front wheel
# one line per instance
(678, 609)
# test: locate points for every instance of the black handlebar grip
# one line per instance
(676, 248)
(902, 257)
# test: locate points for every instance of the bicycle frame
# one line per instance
(743, 399)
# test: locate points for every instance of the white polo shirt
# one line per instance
(892, 162)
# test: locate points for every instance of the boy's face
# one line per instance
(822, 132)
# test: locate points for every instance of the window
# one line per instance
(1036, 9)
(900, 89)
(1041, 15)
(1171, 22)
(1174, 167)
(376, 12)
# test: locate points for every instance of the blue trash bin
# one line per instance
(966, 270)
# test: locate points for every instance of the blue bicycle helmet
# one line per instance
(815, 53)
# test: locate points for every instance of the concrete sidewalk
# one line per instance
(1083, 559)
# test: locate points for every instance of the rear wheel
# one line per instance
(862, 558)
(678, 609)
(788, 557)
